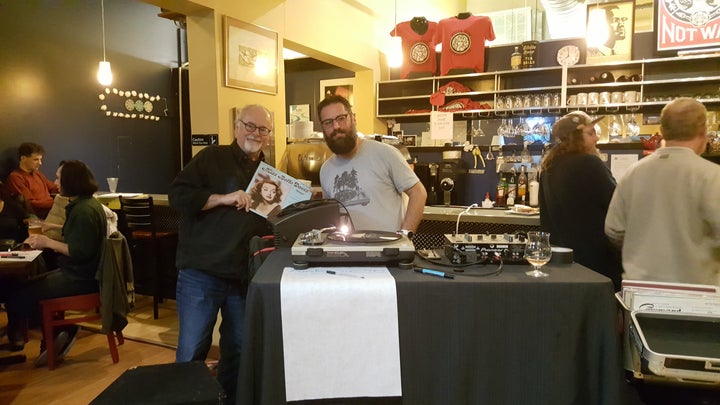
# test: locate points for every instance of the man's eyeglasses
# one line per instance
(250, 127)
(340, 119)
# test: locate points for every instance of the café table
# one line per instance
(19, 264)
(497, 339)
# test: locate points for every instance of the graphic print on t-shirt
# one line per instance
(347, 190)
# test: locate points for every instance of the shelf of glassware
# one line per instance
(656, 81)
(531, 89)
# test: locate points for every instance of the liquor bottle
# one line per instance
(500, 161)
(516, 59)
(511, 188)
(533, 190)
(501, 191)
(522, 186)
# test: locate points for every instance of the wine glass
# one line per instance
(632, 128)
(537, 252)
(614, 128)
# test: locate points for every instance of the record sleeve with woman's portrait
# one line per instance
(272, 190)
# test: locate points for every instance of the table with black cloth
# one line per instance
(505, 339)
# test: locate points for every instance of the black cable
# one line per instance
(460, 270)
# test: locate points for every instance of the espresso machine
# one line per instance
(444, 181)
(428, 175)
(452, 178)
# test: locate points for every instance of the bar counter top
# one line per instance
(485, 215)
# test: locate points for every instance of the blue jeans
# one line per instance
(199, 296)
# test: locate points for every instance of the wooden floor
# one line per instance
(87, 370)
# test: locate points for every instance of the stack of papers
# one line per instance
(671, 297)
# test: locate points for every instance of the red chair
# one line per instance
(53, 315)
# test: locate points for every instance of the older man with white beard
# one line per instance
(215, 230)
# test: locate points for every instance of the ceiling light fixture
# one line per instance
(104, 74)
(395, 53)
(598, 29)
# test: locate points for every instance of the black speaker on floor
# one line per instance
(166, 384)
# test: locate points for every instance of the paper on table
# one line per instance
(340, 333)
(22, 256)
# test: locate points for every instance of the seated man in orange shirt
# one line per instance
(28, 181)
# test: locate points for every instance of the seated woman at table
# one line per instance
(84, 232)
(53, 223)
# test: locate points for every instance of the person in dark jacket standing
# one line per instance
(215, 230)
(575, 192)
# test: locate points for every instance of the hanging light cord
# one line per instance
(395, 18)
(102, 11)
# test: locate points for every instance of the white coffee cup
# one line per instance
(593, 98)
(616, 97)
(630, 96)
(605, 97)
(582, 99)
(572, 100)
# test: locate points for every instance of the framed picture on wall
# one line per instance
(617, 20)
(684, 26)
(341, 87)
(251, 56)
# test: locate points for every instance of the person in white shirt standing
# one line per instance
(665, 211)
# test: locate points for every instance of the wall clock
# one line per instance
(568, 55)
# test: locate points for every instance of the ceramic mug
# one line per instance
(582, 99)
(593, 98)
(572, 100)
(605, 97)
(630, 96)
(616, 97)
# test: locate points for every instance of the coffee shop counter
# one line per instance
(440, 220)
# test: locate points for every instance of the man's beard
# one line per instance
(341, 145)
(250, 147)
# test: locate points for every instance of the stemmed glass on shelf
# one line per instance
(538, 252)
(632, 128)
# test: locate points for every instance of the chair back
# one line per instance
(138, 216)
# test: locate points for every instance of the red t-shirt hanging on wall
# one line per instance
(418, 49)
(463, 42)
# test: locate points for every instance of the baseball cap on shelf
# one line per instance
(571, 122)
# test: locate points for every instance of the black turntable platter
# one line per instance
(364, 236)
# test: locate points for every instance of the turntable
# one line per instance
(358, 247)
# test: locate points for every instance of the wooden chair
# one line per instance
(53, 315)
(139, 222)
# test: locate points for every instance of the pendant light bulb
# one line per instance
(104, 74)
(395, 51)
(598, 30)
(395, 54)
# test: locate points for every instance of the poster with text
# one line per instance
(686, 25)
(272, 190)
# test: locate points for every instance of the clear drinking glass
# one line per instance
(632, 128)
(538, 252)
(112, 184)
(614, 127)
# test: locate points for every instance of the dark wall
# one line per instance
(302, 83)
(49, 53)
